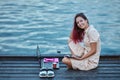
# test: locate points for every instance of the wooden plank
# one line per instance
(60, 78)
(33, 69)
(18, 62)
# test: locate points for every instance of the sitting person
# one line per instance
(83, 57)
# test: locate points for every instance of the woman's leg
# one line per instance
(76, 49)
(67, 61)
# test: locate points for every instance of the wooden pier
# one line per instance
(27, 68)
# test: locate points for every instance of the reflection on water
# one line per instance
(26, 23)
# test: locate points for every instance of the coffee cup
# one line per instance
(54, 65)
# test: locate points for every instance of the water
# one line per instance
(26, 23)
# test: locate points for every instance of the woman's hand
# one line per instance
(77, 57)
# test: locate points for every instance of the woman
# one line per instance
(87, 57)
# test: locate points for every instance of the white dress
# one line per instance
(91, 35)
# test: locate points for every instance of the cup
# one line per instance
(54, 65)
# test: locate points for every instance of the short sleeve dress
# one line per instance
(91, 35)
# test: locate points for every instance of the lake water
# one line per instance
(26, 23)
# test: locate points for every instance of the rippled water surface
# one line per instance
(26, 23)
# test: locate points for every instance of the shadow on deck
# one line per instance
(27, 68)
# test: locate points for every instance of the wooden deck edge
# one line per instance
(50, 55)
(42, 56)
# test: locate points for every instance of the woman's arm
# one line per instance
(70, 38)
(93, 50)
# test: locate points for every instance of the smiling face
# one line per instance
(81, 23)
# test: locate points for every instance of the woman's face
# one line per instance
(81, 23)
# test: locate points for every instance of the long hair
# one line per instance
(78, 33)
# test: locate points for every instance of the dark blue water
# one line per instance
(26, 23)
